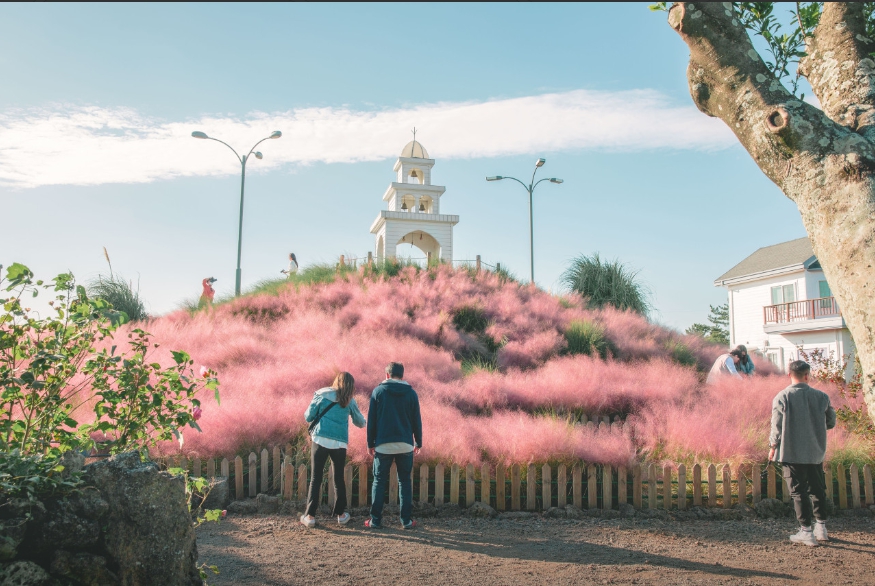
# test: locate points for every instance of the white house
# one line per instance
(779, 302)
(413, 215)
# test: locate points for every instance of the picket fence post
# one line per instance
(485, 487)
(697, 485)
(855, 487)
(592, 479)
(682, 487)
(562, 486)
(500, 496)
(363, 485)
(515, 488)
(756, 487)
(531, 487)
(439, 484)
(238, 477)
(470, 486)
(867, 482)
(577, 485)
(423, 483)
(666, 487)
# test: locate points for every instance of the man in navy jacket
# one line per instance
(394, 435)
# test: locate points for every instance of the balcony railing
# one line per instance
(801, 310)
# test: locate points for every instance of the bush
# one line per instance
(121, 295)
(681, 353)
(586, 337)
(470, 318)
(50, 367)
(607, 283)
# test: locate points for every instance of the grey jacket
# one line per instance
(800, 417)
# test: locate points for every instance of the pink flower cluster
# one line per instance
(271, 352)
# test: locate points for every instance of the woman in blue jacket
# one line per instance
(331, 409)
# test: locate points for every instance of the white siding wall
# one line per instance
(812, 283)
(394, 230)
(746, 302)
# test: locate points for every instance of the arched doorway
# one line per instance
(417, 245)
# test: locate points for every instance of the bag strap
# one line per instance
(313, 423)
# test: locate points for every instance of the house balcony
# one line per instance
(800, 316)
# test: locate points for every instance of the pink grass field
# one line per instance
(272, 352)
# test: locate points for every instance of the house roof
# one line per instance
(795, 254)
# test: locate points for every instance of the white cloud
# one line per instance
(92, 145)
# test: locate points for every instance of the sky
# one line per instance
(98, 102)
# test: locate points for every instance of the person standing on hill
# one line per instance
(293, 266)
(724, 366)
(800, 417)
(208, 292)
(328, 415)
(394, 435)
(745, 363)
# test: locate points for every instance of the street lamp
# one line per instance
(531, 189)
(258, 155)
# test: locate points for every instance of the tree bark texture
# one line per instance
(824, 160)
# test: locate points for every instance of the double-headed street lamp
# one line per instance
(531, 189)
(243, 159)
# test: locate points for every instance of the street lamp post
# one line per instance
(530, 188)
(243, 159)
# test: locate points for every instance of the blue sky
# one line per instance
(98, 102)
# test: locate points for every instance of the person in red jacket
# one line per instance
(208, 293)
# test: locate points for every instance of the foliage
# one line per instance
(470, 318)
(587, 337)
(681, 353)
(120, 295)
(197, 489)
(64, 365)
(718, 331)
(607, 283)
(832, 369)
(27, 476)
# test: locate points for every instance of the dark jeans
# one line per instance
(318, 456)
(808, 491)
(382, 466)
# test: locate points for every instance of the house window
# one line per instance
(783, 294)
(824, 289)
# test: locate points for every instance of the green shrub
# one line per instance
(607, 283)
(475, 363)
(586, 337)
(470, 318)
(681, 353)
(120, 294)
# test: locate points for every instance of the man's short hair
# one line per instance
(395, 370)
(800, 368)
(736, 352)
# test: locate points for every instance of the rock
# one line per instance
(771, 509)
(572, 512)
(24, 573)
(268, 505)
(15, 508)
(447, 510)
(73, 463)
(148, 531)
(219, 495)
(421, 510)
(62, 528)
(610, 514)
(555, 513)
(88, 503)
(701, 513)
(627, 510)
(745, 511)
(247, 507)
(481, 510)
(656, 514)
(516, 515)
(84, 568)
(290, 508)
(12, 532)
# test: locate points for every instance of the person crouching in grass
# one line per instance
(800, 417)
(330, 411)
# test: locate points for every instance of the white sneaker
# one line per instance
(820, 533)
(308, 521)
(343, 519)
(805, 537)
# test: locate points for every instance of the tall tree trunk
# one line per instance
(824, 160)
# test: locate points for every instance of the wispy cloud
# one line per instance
(92, 145)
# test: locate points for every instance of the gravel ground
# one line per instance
(276, 549)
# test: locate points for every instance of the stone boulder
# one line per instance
(24, 573)
(219, 496)
(245, 507)
(84, 568)
(148, 531)
(627, 510)
(771, 509)
(12, 532)
(267, 505)
(481, 510)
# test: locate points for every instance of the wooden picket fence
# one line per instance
(533, 487)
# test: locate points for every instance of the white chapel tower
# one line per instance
(414, 204)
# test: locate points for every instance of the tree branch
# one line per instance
(729, 80)
(839, 68)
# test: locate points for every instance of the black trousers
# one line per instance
(808, 491)
(318, 456)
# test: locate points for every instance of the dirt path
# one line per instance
(277, 550)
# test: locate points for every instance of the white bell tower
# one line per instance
(413, 215)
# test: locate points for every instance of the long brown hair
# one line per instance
(344, 384)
